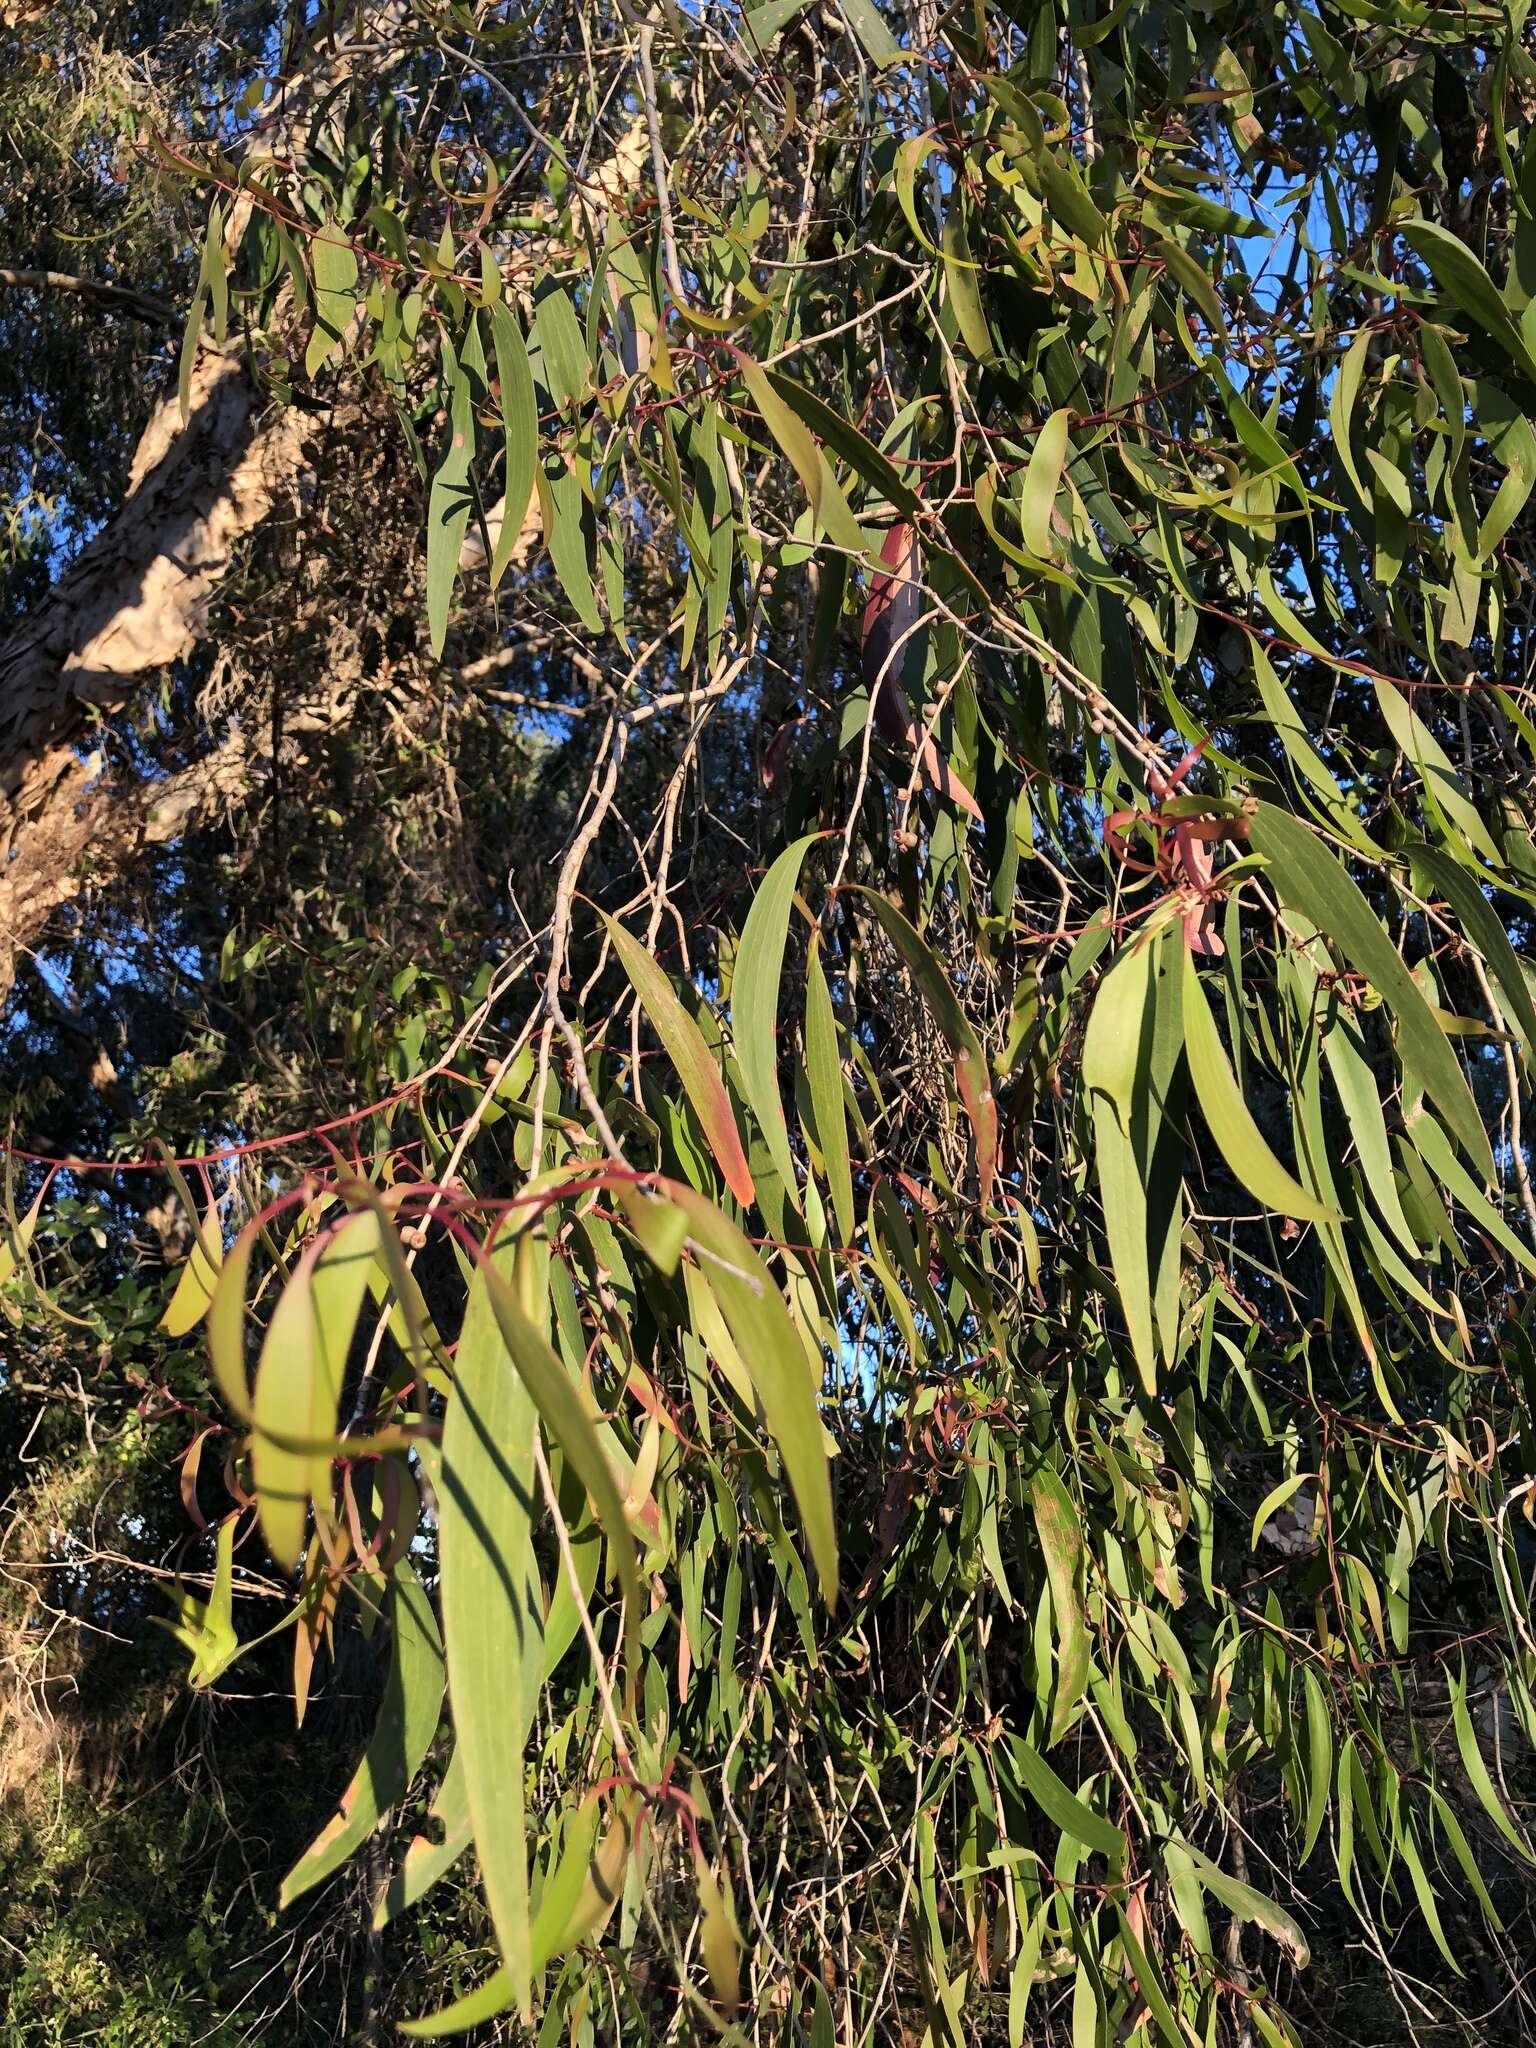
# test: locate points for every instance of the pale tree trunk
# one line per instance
(139, 597)
(135, 602)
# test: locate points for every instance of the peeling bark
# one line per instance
(136, 601)
(138, 598)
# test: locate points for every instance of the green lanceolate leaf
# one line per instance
(1060, 1530)
(413, 1695)
(494, 1996)
(449, 502)
(869, 25)
(1123, 1198)
(696, 1068)
(1230, 1122)
(1248, 1904)
(582, 1890)
(1454, 1180)
(1341, 408)
(1042, 480)
(226, 1326)
(299, 1379)
(563, 508)
(429, 1857)
(562, 351)
(829, 507)
(1076, 1820)
(824, 1069)
(755, 1003)
(1303, 756)
(493, 1606)
(777, 1364)
(856, 449)
(1319, 1759)
(1458, 273)
(1434, 766)
(1310, 879)
(1118, 1030)
(335, 269)
(1361, 1103)
(960, 285)
(1472, 1762)
(1117, 1072)
(1480, 922)
(567, 1421)
(520, 426)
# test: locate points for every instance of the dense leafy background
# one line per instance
(890, 1033)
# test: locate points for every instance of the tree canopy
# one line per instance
(767, 784)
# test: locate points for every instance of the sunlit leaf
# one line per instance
(696, 1068)
(299, 1381)
(493, 1607)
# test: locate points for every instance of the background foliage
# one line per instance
(847, 1015)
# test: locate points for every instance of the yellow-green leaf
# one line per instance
(299, 1378)
(776, 1361)
(335, 268)
(493, 1607)
(1042, 480)
(1241, 1142)
(696, 1066)
(197, 1279)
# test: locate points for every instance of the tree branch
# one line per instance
(125, 298)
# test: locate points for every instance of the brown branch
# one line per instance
(125, 298)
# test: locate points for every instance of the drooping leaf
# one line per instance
(197, 1279)
(335, 299)
(564, 510)
(777, 1364)
(485, 2002)
(1307, 876)
(1459, 273)
(427, 1859)
(755, 1002)
(413, 1694)
(299, 1381)
(450, 501)
(1248, 1904)
(1042, 480)
(1434, 766)
(824, 1069)
(1076, 1820)
(829, 507)
(1481, 924)
(1060, 1532)
(520, 427)
(566, 1419)
(493, 1607)
(1231, 1124)
(696, 1069)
